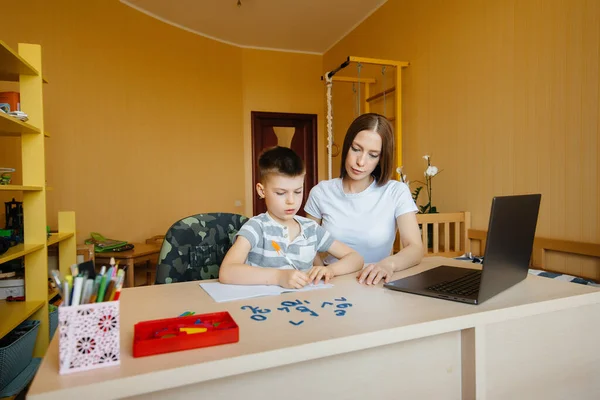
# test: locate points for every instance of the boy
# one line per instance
(253, 259)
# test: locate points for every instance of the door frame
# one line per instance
(256, 142)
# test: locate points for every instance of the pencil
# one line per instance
(281, 253)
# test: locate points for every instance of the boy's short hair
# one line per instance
(279, 160)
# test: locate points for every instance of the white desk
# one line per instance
(536, 340)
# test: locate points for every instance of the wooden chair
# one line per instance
(151, 267)
(445, 234)
(543, 245)
(156, 239)
(85, 252)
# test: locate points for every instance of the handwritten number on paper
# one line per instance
(291, 303)
(250, 308)
(306, 309)
(256, 310)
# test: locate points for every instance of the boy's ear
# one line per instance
(260, 189)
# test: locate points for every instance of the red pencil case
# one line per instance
(168, 335)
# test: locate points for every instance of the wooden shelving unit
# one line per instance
(11, 126)
(52, 293)
(21, 188)
(13, 313)
(20, 250)
(59, 237)
(24, 67)
(12, 65)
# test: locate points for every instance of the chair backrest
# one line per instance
(156, 239)
(445, 234)
(85, 252)
(574, 253)
(194, 247)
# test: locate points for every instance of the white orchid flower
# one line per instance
(431, 171)
(426, 157)
(399, 170)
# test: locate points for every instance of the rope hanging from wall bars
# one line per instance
(383, 89)
(358, 98)
(329, 97)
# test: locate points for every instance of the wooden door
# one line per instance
(296, 131)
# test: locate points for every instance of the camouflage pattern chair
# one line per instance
(194, 247)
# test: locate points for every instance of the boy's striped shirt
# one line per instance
(262, 229)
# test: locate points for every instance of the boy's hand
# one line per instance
(319, 272)
(292, 279)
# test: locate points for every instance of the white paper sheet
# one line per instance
(221, 292)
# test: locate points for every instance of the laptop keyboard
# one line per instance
(464, 286)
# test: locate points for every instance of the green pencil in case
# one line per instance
(102, 289)
(95, 288)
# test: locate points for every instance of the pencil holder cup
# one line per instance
(89, 336)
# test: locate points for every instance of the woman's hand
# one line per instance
(373, 273)
(319, 272)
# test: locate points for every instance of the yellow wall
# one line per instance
(504, 96)
(149, 123)
(280, 82)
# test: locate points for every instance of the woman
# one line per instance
(363, 208)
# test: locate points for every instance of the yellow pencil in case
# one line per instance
(281, 253)
(119, 286)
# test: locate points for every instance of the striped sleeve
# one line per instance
(252, 231)
(324, 238)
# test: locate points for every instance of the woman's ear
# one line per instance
(260, 190)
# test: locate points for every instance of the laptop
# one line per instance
(511, 231)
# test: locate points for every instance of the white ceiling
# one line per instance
(307, 26)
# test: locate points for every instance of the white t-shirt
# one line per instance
(365, 221)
